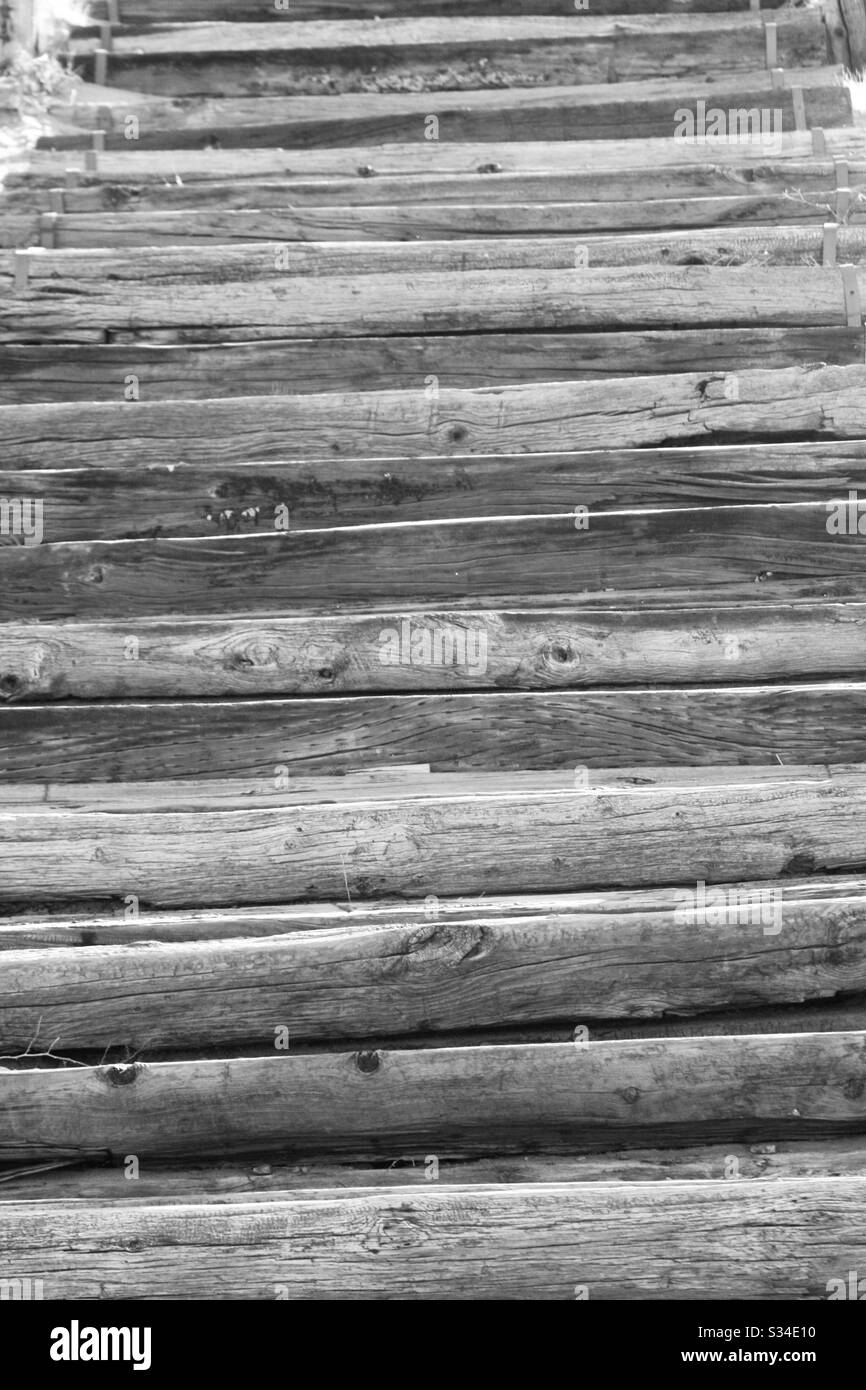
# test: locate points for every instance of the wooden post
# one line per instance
(854, 19)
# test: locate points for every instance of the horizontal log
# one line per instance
(242, 1181)
(749, 824)
(284, 306)
(605, 111)
(372, 786)
(460, 1101)
(541, 649)
(419, 53)
(55, 373)
(262, 264)
(438, 221)
(341, 983)
(612, 168)
(142, 13)
(447, 733)
(682, 1240)
(72, 925)
(676, 410)
(131, 501)
(308, 208)
(620, 553)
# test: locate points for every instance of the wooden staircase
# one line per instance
(433, 656)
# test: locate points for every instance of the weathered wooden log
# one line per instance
(57, 373)
(606, 111)
(682, 409)
(442, 838)
(628, 553)
(341, 983)
(697, 1240)
(142, 13)
(426, 303)
(247, 59)
(47, 926)
(613, 728)
(140, 502)
(457, 1101)
(528, 649)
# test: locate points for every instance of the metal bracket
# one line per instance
(851, 291)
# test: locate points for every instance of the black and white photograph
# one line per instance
(433, 670)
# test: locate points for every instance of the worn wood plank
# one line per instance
(674, 410)
(605, 728)
(626, 552)
(68, 271)
(131, 501)
(460, 1101)
(633, 296)
(341, 983)
(529, 649)
(238, 1181)
(142, 13)
(606, 111)
(315, 57)
(31, 374)
(750, 824)
(682, 1240)
(72, 925)
(437, 221)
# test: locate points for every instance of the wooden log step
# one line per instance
(33, 374)
(589, 554)
(46, 927)
(749, 639)
(130, 502)
(143, 13)
(605, 111)
(433, 221)
(741, 824)
(340, 983)
(277, 739)
(243, 59)
(807, 186)
(267, 264)
(457, 1101)
(135, 161)
(677, 410)
(426, 303)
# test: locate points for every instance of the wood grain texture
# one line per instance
(619, 553)
(451, 840)
(67, 272)
(682, 409)
(142, 13)
(417, 53)
(460, 1101)
(682, 1240)
(56, 373)
(546, 648)
(608, 111)
(136, 502)
(42, 926)
(342, 982)
(633, 296)
(607, 728)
